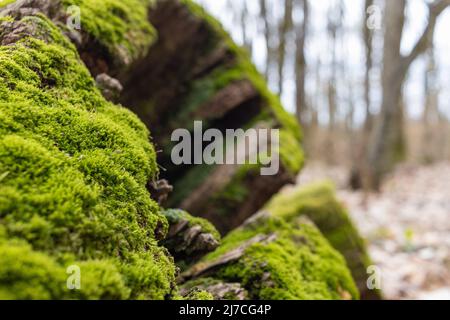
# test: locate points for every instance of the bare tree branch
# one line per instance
(435, 10)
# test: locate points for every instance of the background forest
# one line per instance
(369, 82)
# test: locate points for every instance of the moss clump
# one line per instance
(28, 274)
(298, 263)
(120, 26)
(4, 3)
(73, 171)
(196, 294)
(318, 203)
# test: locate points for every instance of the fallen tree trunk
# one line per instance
(172, 64)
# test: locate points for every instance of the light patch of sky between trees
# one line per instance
(350, 53)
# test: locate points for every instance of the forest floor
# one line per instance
(406, 225)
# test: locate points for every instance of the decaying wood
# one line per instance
(187, 239)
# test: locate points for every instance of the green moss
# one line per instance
(28, 274)
(25, 274)
(291, 155)
(120, 26)
(298, 264)
(73, 172)
(196, 294)
(318, 203)
(4, 3)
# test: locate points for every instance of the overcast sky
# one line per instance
(352, 48)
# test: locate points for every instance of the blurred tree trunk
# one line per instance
(388, 146)
(248, 43)
(314, 108)
(331, 88)
(267, 36)
(351, 109)
(334, 28)
(359, 170)
(368, 48)
(300, 65)
(431, 123)
(285, 27)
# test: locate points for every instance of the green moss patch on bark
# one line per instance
(318, 202)
(120, 26)
(4, 3)
(275, 259)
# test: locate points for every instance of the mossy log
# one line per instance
(195, 72)
(271, 257)
(319, 203)
(172, 64)
(238, 259)
(76, 169)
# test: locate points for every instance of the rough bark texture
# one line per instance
(189, 238)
